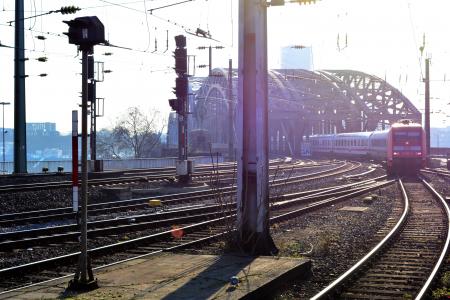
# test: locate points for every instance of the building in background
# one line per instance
(42, 129)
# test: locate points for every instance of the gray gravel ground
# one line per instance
(442, 185)
(333, 239)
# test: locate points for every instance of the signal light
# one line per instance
(174, 104)
(181, 87)
(181, 82)
(180, 41)
(180, 61)
(85, 31)
(177, 105)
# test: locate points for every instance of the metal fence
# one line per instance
(110, 164)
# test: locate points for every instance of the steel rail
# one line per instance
(66, 212)
(144, 175)
(325, 202)
(168, 249)
(27, 238)
(436, 172)
(438, 264)
(371, 170)
(335, 285)
(156, 237)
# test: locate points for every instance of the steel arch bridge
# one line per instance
(301, 103)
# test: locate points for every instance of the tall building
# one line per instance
(295, 58)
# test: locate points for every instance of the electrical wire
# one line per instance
(114, 4)
(169, 5)
(153, 15)
(414, 37)
(53, 34)
(34, 30)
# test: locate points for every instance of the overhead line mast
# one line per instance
(252, 128)
(20, 138)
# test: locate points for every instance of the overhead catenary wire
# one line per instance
(63, 10)
(108, 3)
(413, 31)
(153, 15)
(54, 34)
(168, 5)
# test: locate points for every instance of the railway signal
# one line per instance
(85, 32)
(175, 105)
(180, 55)
(180, 105)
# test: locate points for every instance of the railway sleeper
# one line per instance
(406, 272)
(383, 280)
(380, 290)
(393, 276)
(386, 285)
(372, 296)
(405, 265)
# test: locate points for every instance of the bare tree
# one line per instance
(134, 134)
(109, 147)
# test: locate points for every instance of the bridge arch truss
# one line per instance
(301, 103)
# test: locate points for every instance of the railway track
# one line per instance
(66, 213)
(135, 176)
(405, 263)
(441, 172)
(70, 232)
(288, 207)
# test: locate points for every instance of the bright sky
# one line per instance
(383, 37)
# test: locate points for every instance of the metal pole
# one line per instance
(230, 110)
(210, 60)
(252, 124)
(84, 172)
(92, 99)
(185, 123)
(3, 133)
(20, 142)
(94, 131)
(182, 127)
(427, 107)
(75, 161)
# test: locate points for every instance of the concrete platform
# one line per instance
(180, 276)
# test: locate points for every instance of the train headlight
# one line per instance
(396, 153)
(419, 153)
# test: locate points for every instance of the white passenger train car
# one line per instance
(402, 146)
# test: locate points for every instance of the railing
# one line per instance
(108, 164)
